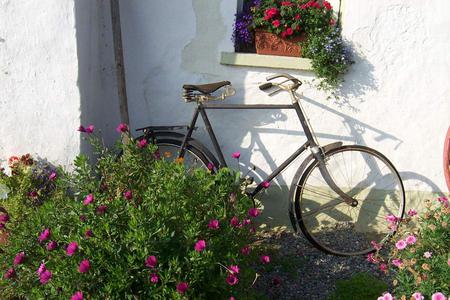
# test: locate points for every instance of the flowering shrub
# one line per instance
(420, 259)
(134, 227)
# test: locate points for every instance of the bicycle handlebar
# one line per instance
(296, 83)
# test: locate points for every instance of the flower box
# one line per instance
(270, 44)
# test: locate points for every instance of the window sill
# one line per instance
(267, 61)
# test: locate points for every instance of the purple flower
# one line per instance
(45, 235)
(182, 287)
(89, 129)
(213, 224)
(52, 176)
(52, 246)
(142, 143)
(88, 233)
(236, 155)
(19, 259)
(45, 277)
(85, 265)
(71, 248)
(128, 195)
(102, 209)
(200, 245)
(245, 250)
(154, 278)
(77, 296)
(122, 128)
(41, 269)
(151, 261)
(4, 218)
(232, 279)
(253, 212)
(10, 273)
(265, 259)
(88, 200)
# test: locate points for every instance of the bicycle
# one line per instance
(340, 194)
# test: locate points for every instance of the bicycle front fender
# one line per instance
(296, 178)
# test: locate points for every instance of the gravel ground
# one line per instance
(299, 271)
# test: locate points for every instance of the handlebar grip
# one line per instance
(265, 86)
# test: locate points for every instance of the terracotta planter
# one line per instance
(270, 44)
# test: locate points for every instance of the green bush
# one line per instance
(134, 227)
(420, 257)
(361, 286)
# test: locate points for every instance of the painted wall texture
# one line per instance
(57, 71)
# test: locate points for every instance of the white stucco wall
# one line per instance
(395, 99)
(39, 98)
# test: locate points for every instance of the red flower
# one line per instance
(151, 261)
(270, 13)
(297, 17)
(265, 259)
(182, 287)
(284, 34)
(289, 31)
(327, 5)
(276, 23)
(85, 265)
(286, 3)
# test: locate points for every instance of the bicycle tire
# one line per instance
(338, 228)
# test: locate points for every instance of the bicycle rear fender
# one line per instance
(194, 143)
(298, 175)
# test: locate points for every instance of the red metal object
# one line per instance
(447, 158)
(270, 44)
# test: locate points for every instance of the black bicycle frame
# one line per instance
(201, 109)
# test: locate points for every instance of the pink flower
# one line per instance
(391, 218)
(81, 129)
(232, 279)
(77, 296)
(200, 245)
(253, 212)
(427, 254)
(41, 269)
(44, 235)
(444, 201)
(400, 245)
(151, 261)
(213, 224)
(246, 222)
(182, 287)
(383, 267)
(101, 209)
(45, 277)
(89, 129)
(52, 176)
(210, 166)
(33, 194)
(88, 200)
(89, 233)
(85, 265)
(245, 250)
(412, 212)
(276, 23)
(265, 184)
(10, 273)
(448, 262)
(142, 143)
(386, 296)
(19, 259)
(122, 128)
(376, 245)
(417, 296)
(2, 226)
(265, 259)
(71, 248)
(236, 155)
(234, 221)
(371, 258)
(154, 278)
(4, 218)
(411, 240)
(232, 298)
(438, 296)
(52, 246)
(234, 269)
(397, 262)
(128, 195)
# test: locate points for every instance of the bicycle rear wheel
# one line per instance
(336, 227)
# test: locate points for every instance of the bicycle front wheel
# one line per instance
(336, 227)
